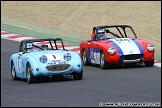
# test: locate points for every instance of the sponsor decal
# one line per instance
(56, 62)
(53, 61)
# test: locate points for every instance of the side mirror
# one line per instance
(107, 31)
(89, 40)
(20, 53)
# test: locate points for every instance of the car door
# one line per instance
(93, 52)
(19, 64)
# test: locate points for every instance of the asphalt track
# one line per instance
(98, 87)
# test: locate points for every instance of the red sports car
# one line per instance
(116, 44)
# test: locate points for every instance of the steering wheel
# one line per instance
(101, 37)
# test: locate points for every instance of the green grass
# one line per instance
(36, 34)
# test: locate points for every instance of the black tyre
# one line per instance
(85, 58)
(149, 63)
(13, 72)
(29, 76)
(78, 76)
(103, 62)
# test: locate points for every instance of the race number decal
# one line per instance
(67, 56)
(94, 55)
(19, 64)
(122, 40)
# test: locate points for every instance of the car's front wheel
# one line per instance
(29, 75)
(78, 76)
(13, 72)
(103, 62)
(85, 58)
(149, 63)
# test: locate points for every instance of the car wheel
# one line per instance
(103, 62)
(149, 63)
(85, 58)
(29, 76)
(13, 72)
(78, 76)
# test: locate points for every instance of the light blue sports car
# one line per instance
(45, 58)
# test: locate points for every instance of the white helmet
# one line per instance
(101, 31)
(29, 45)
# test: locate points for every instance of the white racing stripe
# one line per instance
(125, 45)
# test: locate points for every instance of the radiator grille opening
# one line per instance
(58, 67)
(132, 57)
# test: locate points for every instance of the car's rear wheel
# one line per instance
(29, 75)
(85, 58)
(149, 63)
(103, 62)
(13, 72)
(78, 76)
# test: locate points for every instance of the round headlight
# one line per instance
(150, 47)
(43, 59)
(111, 51)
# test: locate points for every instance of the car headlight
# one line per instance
(43, 59)
(150, 47)
(111, 51)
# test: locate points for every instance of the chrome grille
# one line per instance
(58, 67)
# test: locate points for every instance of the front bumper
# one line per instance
(56, 70)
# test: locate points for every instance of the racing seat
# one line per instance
(92, 35)
(44, 47)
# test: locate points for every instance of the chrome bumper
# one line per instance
(132, 61)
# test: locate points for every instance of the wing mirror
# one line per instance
(89, 40)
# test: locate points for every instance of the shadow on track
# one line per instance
(49, 79)
(125, 66)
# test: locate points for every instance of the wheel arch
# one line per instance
(81, 53)
(27, 63)
(11, 62)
